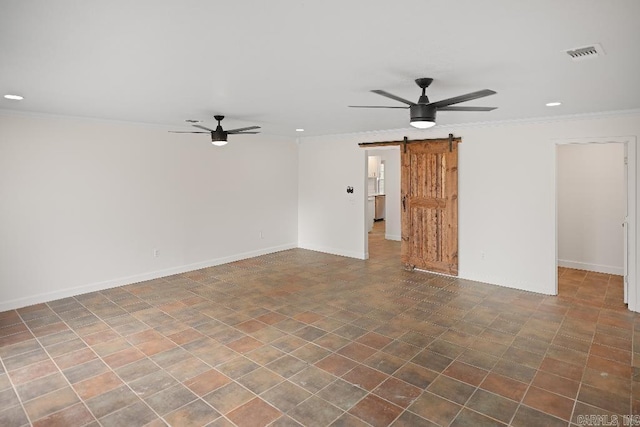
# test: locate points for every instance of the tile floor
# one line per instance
(304, 338)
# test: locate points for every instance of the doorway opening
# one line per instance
(595, 221)
(382, 213)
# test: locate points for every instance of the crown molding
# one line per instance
(41, 115)
(481, 124)
(381, 132)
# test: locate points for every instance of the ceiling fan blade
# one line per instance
(392, 96)
(462, 98)
(374, 106)
(185, 131)
(202, 127)
(242, 133)
(243, 129)
(467, 108)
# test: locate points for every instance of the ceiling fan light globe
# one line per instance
(219, 143)
(422, 124)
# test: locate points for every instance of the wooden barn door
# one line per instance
(429, 211)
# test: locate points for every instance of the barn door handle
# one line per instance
(404, 205)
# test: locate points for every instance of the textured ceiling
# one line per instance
(285, 64)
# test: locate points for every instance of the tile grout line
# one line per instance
(13, 386)
(236, 380)
(99, 357)
(56, 365)
(340, 307)
(530, 384)
(161, 369)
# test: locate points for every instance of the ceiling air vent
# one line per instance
(588, 52)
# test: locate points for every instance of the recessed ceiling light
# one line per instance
(553, 104)
(14, 97)
(299, 130)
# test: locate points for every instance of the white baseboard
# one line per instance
(392, 237)
(607, 269)
(333, 251)
(113, 283)
(505, 283)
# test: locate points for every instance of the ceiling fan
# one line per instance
(219, 136)
(423, 113)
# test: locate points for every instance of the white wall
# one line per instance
(84, 203)
(591, 207)
(330, 219)
(507, 205)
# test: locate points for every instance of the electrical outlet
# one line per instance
(156, 253)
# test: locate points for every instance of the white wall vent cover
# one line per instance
(588, 52)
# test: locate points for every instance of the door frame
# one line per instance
(630, 152)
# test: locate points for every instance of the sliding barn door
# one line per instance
(430, 206)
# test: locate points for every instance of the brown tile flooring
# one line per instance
(304, 338)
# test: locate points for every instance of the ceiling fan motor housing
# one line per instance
(422, 112)
(219, 134)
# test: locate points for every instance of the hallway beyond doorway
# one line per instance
(591, 288)
(381, 248)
